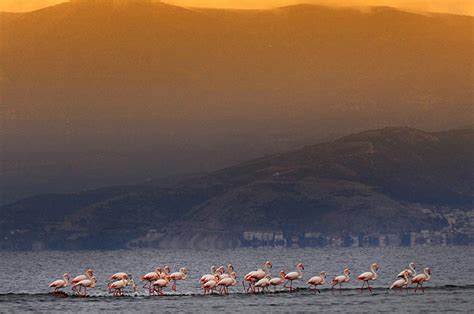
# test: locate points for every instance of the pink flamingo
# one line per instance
(294, 275)
(400, 283)
(210, 285)
(316, 281)
(276, 281)
(161, 283)
(151, 277)
(205, 278)
(422, 278)
(77, 279)
(339, 280)
(368, 276)
(263, 284)
(411, 271)
(120, 285)
(86, 283)
(256, 275)
(182, 274)
(118, 276)
(227, 282)
(60, 283)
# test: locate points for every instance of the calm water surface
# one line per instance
(26, 275)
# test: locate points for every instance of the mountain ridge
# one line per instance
(373, 186)
(121, 95)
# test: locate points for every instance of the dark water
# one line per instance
(25, 278)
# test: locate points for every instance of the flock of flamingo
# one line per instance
(219, 280)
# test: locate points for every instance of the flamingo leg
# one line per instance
(362, 288)
(368, 287)
(174, 286)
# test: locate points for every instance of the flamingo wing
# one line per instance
(262, 282)
(314, 280)
(118, 284)
(418, 278)
(365, 276)
(84, 283)
(291, 276)
(150, 276)
(339, 278)
(210, 284)
(225, 282)
(276, 281)
(79, 278)
(398, 283)
(177, 275)
(57, 283)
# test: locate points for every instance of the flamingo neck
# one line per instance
(413, 270)
(65, 279)
(266, 270)
(372, 268)
(300, 272)
(427, 274)
(346, 274)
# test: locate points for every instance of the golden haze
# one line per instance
(465, 7)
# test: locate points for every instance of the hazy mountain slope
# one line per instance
(363, 183)
(94, 94)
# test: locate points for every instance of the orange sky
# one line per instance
(449, 6)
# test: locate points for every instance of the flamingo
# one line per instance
(182, 274)
(411, 272)
(207, 277)
(400, 283)
(294, 275)
(421, 278)
(339, 280)
(159, 284)
(317, 280)
(77, 279)
(263, 283)
(119, 285)
(210, 285)
(225, 283)
(60, 283)
(368, 276)
(256, 275)
(86, 283)
(118, 276)
(276, 281)
(151, 277)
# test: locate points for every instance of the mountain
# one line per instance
(385, 181)
(97, 93)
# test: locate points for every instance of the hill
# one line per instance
(96, 93)
(388, 181)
